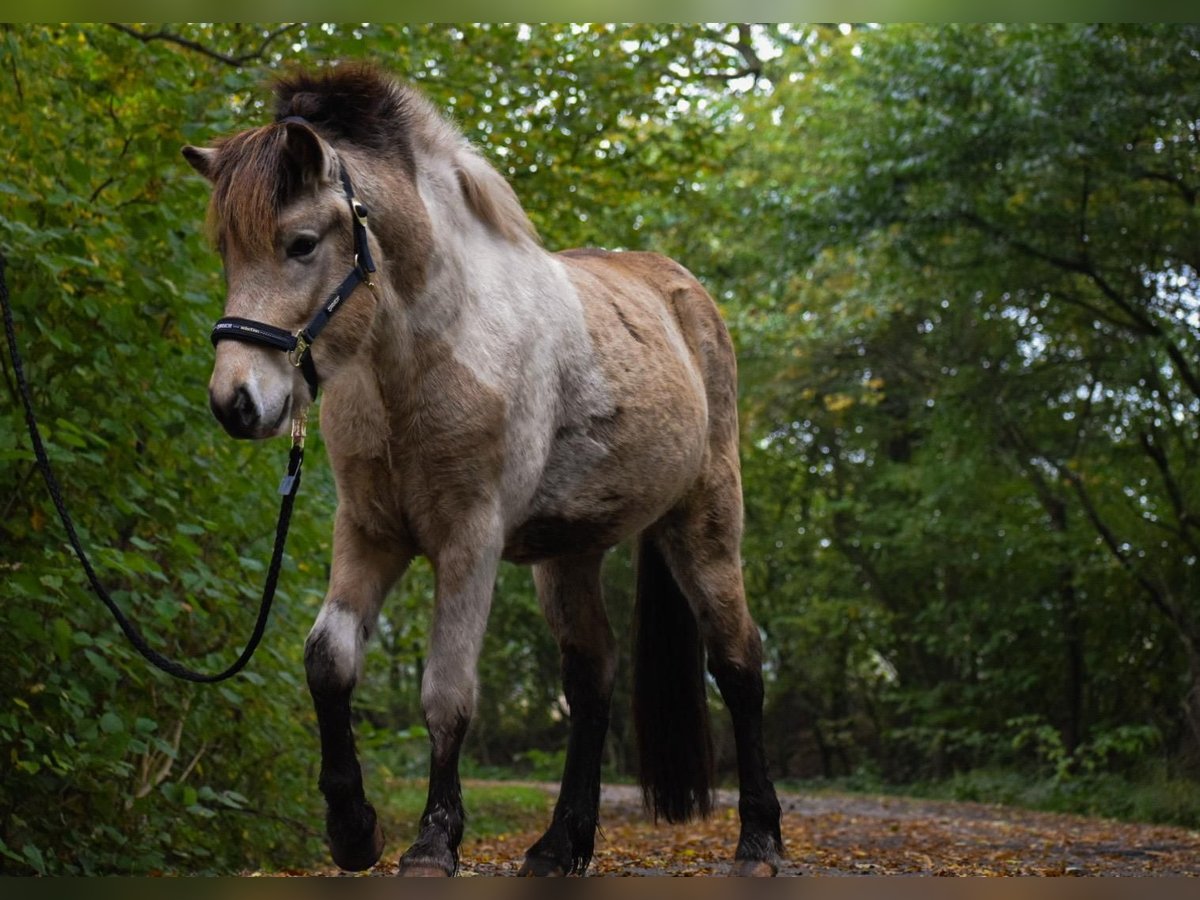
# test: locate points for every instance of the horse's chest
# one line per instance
(435, 463)
(420, 498)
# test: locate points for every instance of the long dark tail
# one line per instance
(670, 708)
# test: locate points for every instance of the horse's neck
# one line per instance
(488, 298)
(492, 313)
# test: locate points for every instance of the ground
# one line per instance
(829, 834)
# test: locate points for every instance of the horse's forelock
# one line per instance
(252, 181)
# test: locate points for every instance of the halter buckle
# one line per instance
(296, 354)
(363, 273)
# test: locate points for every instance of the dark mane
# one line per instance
(359, 105)
(354, 102)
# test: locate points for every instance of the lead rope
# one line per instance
(288, 488)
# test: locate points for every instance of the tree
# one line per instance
(998, 228)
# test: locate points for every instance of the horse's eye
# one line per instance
(302, 246)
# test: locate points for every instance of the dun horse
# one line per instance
(488, 400)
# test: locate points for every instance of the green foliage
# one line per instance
(973, 388)
(1150, 796)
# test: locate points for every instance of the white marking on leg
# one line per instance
(342, 631)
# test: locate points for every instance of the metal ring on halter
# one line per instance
(366, 276)
(296, 354)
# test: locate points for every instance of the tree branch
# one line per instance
(1025, 448)
(296, 824)
(236, 61)
(744, 47)
(1187, 192)
(12, 61)
(1084, 267)
(1110, 541)
(1187, 522)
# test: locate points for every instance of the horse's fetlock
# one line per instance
(343, 788)
(762, 810)
(566, 848)
(764, 844)
(449, 822)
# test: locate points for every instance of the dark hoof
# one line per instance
(421, 870)
(426, 859)
(358, 848)
(565, 849)
(540, 867)
(754, 868)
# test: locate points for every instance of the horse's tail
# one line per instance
(670, 705)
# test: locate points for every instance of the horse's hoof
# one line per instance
(356, 856)
(753, 868)
(424, 861)
(422, 870)
(538, 867)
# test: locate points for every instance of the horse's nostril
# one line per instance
(243, 407)
(240, 415)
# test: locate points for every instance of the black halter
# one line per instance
(298, 346)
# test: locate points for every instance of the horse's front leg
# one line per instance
(466, 576)
(361, 576)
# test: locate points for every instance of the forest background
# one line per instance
(960, 266)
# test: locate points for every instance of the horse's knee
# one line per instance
(334, 649)
(448, 701)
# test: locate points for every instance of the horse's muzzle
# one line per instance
(241, 416)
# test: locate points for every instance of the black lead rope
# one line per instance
(288, 488)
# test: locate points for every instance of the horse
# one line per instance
(486, 400)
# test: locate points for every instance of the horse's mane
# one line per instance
(360, 105)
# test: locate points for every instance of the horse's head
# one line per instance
(284, 225)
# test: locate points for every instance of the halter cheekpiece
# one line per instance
(298, 346)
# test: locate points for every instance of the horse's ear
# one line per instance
(201, 159)
(311, 158)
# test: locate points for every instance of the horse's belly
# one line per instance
(610, 477)
(544, 537)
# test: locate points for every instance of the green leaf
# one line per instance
(35, 858)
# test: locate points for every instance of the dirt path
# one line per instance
(857, 835)
(831, 834)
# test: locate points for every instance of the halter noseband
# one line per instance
(298, 346)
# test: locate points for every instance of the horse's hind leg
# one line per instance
(360, 578)
(569, 593)
(700, 542)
